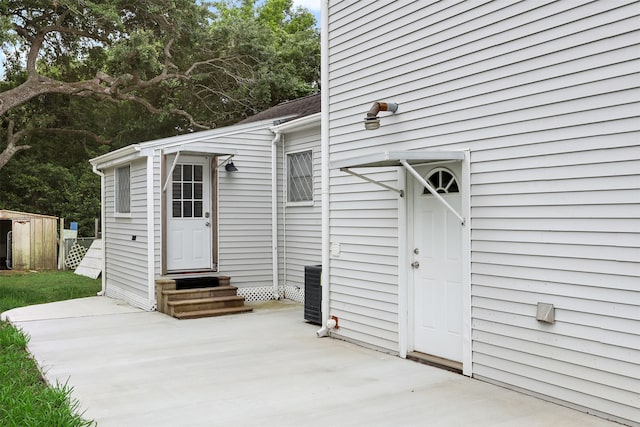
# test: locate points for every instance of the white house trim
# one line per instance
(150, 233)
(324, 158)
(467, 327)
(403, 276)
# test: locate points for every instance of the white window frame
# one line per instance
(116, 192)
(309, 202)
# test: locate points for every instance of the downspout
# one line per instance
(274, 213)
(324, 154)
(102, 233)
(285, 254)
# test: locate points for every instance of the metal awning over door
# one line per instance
(406, 159)
(200, 148)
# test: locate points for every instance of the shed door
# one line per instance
(437, 267)
(189, 219)
(21, 245)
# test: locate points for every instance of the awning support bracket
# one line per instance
(349, 171)
(225, 161)
(431, 190)
(170, 174)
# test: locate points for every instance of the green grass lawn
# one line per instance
(25, 398)
(18, 289)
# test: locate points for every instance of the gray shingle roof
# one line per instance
(297, 108)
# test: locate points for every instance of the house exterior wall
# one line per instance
(299, 225)
(243, 236)
(126, 267)
(244, 210)
(364, 275)
(545, 97)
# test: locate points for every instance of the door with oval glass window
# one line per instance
(189, 219)
(437, 265)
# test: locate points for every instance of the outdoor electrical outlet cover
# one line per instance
(546, 313)
(335, 249)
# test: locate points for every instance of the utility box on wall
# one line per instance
(28, 241)
(312, 294)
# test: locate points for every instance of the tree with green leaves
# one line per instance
(86, 77)
(203, 64)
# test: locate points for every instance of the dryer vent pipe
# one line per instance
(371, 121)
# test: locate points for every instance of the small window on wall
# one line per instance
(300, 177)
(443, 181)
(123, 189)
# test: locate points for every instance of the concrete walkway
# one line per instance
(266, 368)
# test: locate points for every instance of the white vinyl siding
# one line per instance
(126, 259)
(545, 95)
(244, 210)
(364, 276)
(299, 227)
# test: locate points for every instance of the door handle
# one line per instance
(207, 224)
(415, 264)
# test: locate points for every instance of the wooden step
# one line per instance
(204, 304)
(186, 294)
(212, 312)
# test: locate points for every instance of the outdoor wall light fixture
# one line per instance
(230, 167)
(371, 121)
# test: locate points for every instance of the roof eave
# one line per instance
(302, 123)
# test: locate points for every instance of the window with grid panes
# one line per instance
(123, 189)
(300, 176)
(187, 195)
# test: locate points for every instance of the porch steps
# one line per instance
(199, 302)
(196, 293)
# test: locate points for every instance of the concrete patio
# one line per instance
(266, 368)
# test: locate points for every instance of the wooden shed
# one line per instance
(27, 241)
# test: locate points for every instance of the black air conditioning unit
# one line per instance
(312, 294)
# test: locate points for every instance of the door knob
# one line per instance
(415, 264)
(207, 224)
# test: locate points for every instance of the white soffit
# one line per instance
(394, 158)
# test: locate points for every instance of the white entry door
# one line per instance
(437, 267)
(189, 220)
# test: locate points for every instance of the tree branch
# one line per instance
(78, 132)
(12, 139)
(12, 149)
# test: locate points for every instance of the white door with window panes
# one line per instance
(437, 265)
(189, 221)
